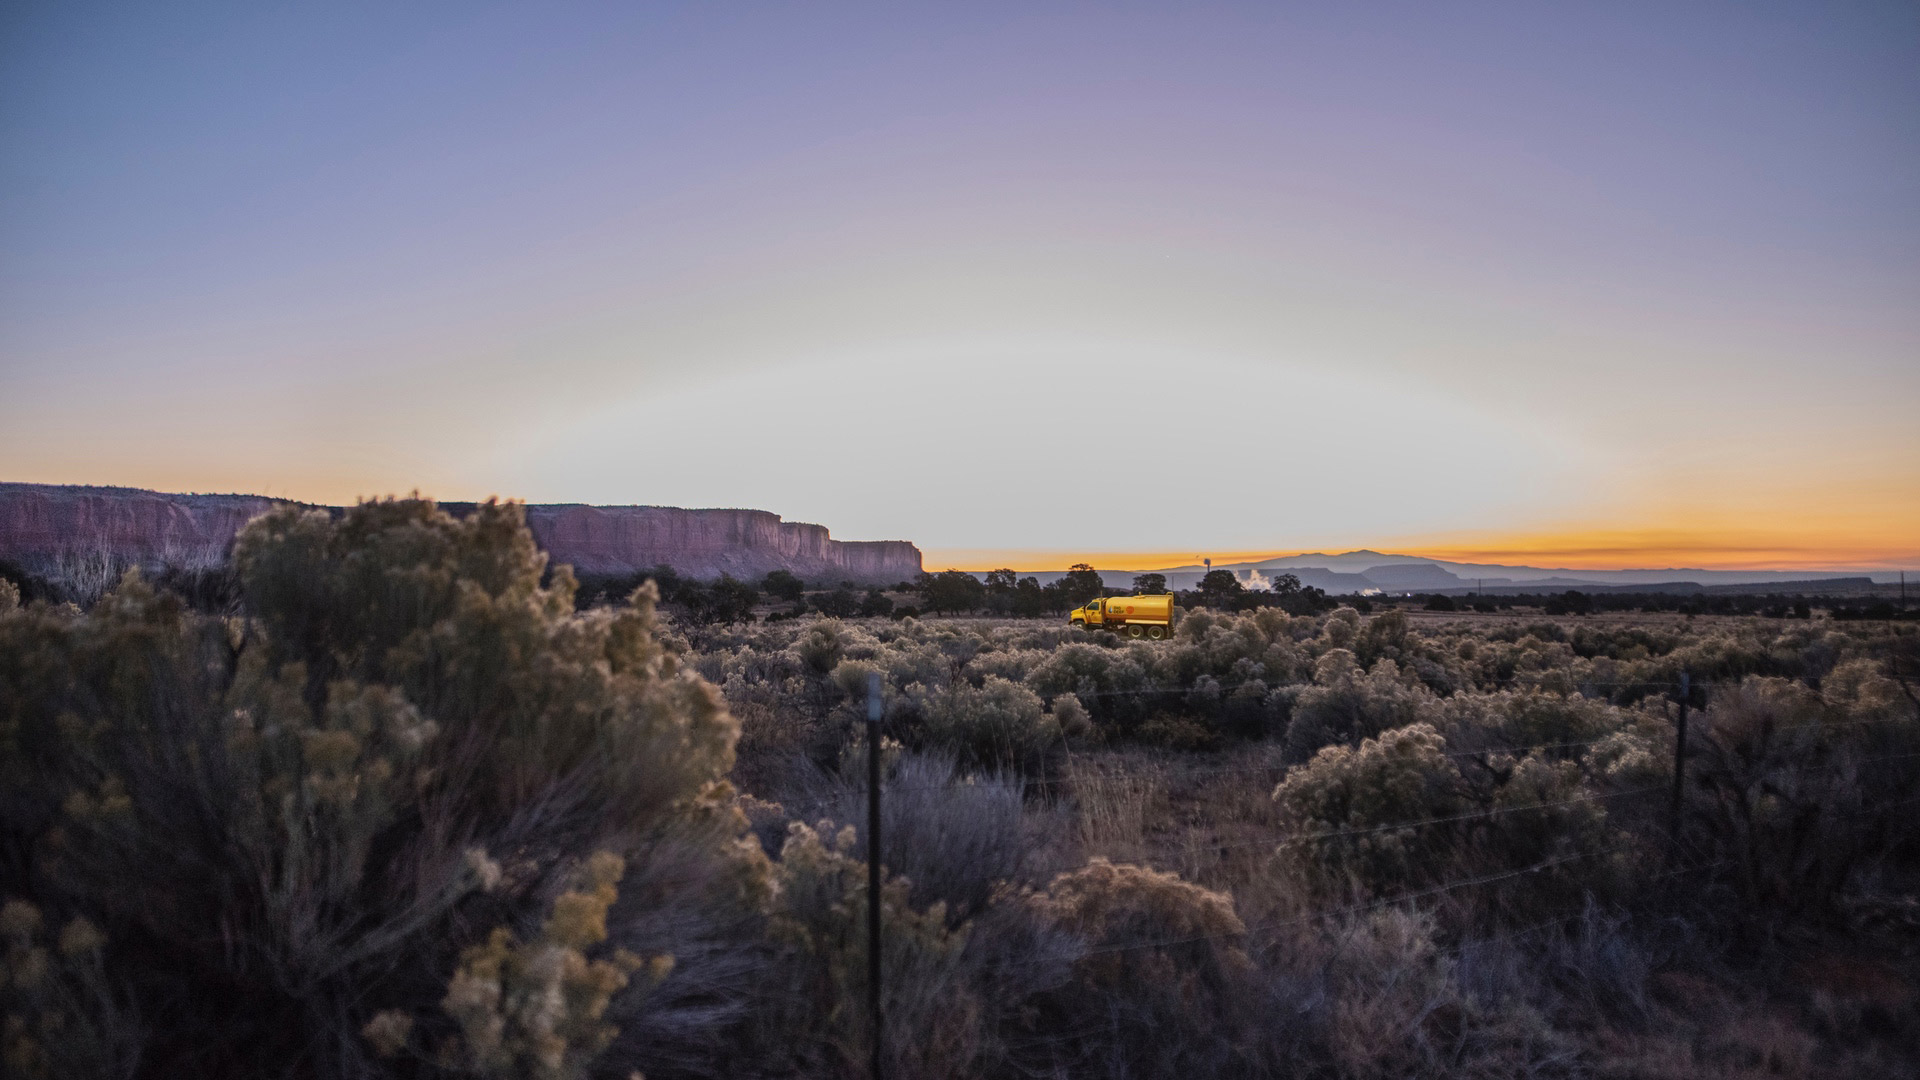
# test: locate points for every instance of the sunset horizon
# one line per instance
(1544, 558)
(1481, 284)
(1597, 549)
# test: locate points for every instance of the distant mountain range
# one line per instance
(1361, 571)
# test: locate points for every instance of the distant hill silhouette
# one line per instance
(1359, 571)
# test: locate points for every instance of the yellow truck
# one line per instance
(1134, 616)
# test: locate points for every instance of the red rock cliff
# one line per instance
(43, 524)
(707, 543)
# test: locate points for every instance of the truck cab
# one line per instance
(1092, 613)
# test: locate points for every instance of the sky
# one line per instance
(1594, 285)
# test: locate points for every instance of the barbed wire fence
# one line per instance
(1299, 843)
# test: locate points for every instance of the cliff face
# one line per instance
(708, 543)
(45, 528)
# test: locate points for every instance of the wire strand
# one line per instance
(1365, 906)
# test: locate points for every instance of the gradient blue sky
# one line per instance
(1611, 284)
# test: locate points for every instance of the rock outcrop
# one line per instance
(50, 529)
(708, 543)
(44, 527)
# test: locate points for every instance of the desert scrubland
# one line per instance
(397, 804)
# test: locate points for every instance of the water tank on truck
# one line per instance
(1134, 616)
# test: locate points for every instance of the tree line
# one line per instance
(1001, 592)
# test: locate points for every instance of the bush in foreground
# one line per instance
(380, 815)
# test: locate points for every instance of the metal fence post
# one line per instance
(1679, 759)
(873, 866)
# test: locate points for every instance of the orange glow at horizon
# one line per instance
(1598, 549)
(1026, 560)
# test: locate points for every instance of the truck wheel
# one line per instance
(1134, 630)
(1078, 624)
(1156, 632)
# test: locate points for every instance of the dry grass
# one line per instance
(1119, 799)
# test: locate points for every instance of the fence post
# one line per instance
(873, 865)
(1679, 759)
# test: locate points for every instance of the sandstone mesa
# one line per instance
(42, 524)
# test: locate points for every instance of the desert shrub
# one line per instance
(1345, 705)
(1397, 1007)
(1818, 653)
(1400, 813)
(211, 589)
(1176, 731)
(906, 663)
(18, 586)
(1357, 813)
(819, 916)
(1340, 628)
(1602, 962)
(854, 678)
(534, 1008)
(1279, 709)
(953, 837)
(1085, 668)
(1012, 664)
(1243, 711)
(1622, 642)
(1194, 625)
(998, 724)
(1178, 664)
(1159, 985)
(1722, 656)
(699, 923)
(1639, 754)
(1227, 642)
(1204, 696)
(1166, 925)
(1286, 662)
(1544, 630)
(1543, 821)
(62, 1016)
(1521, 910)
(407, 744)
(821, 647)
(1072, 717)
(1794, 793)
(1529, 718)
(1861, 691)
(1385, 638)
